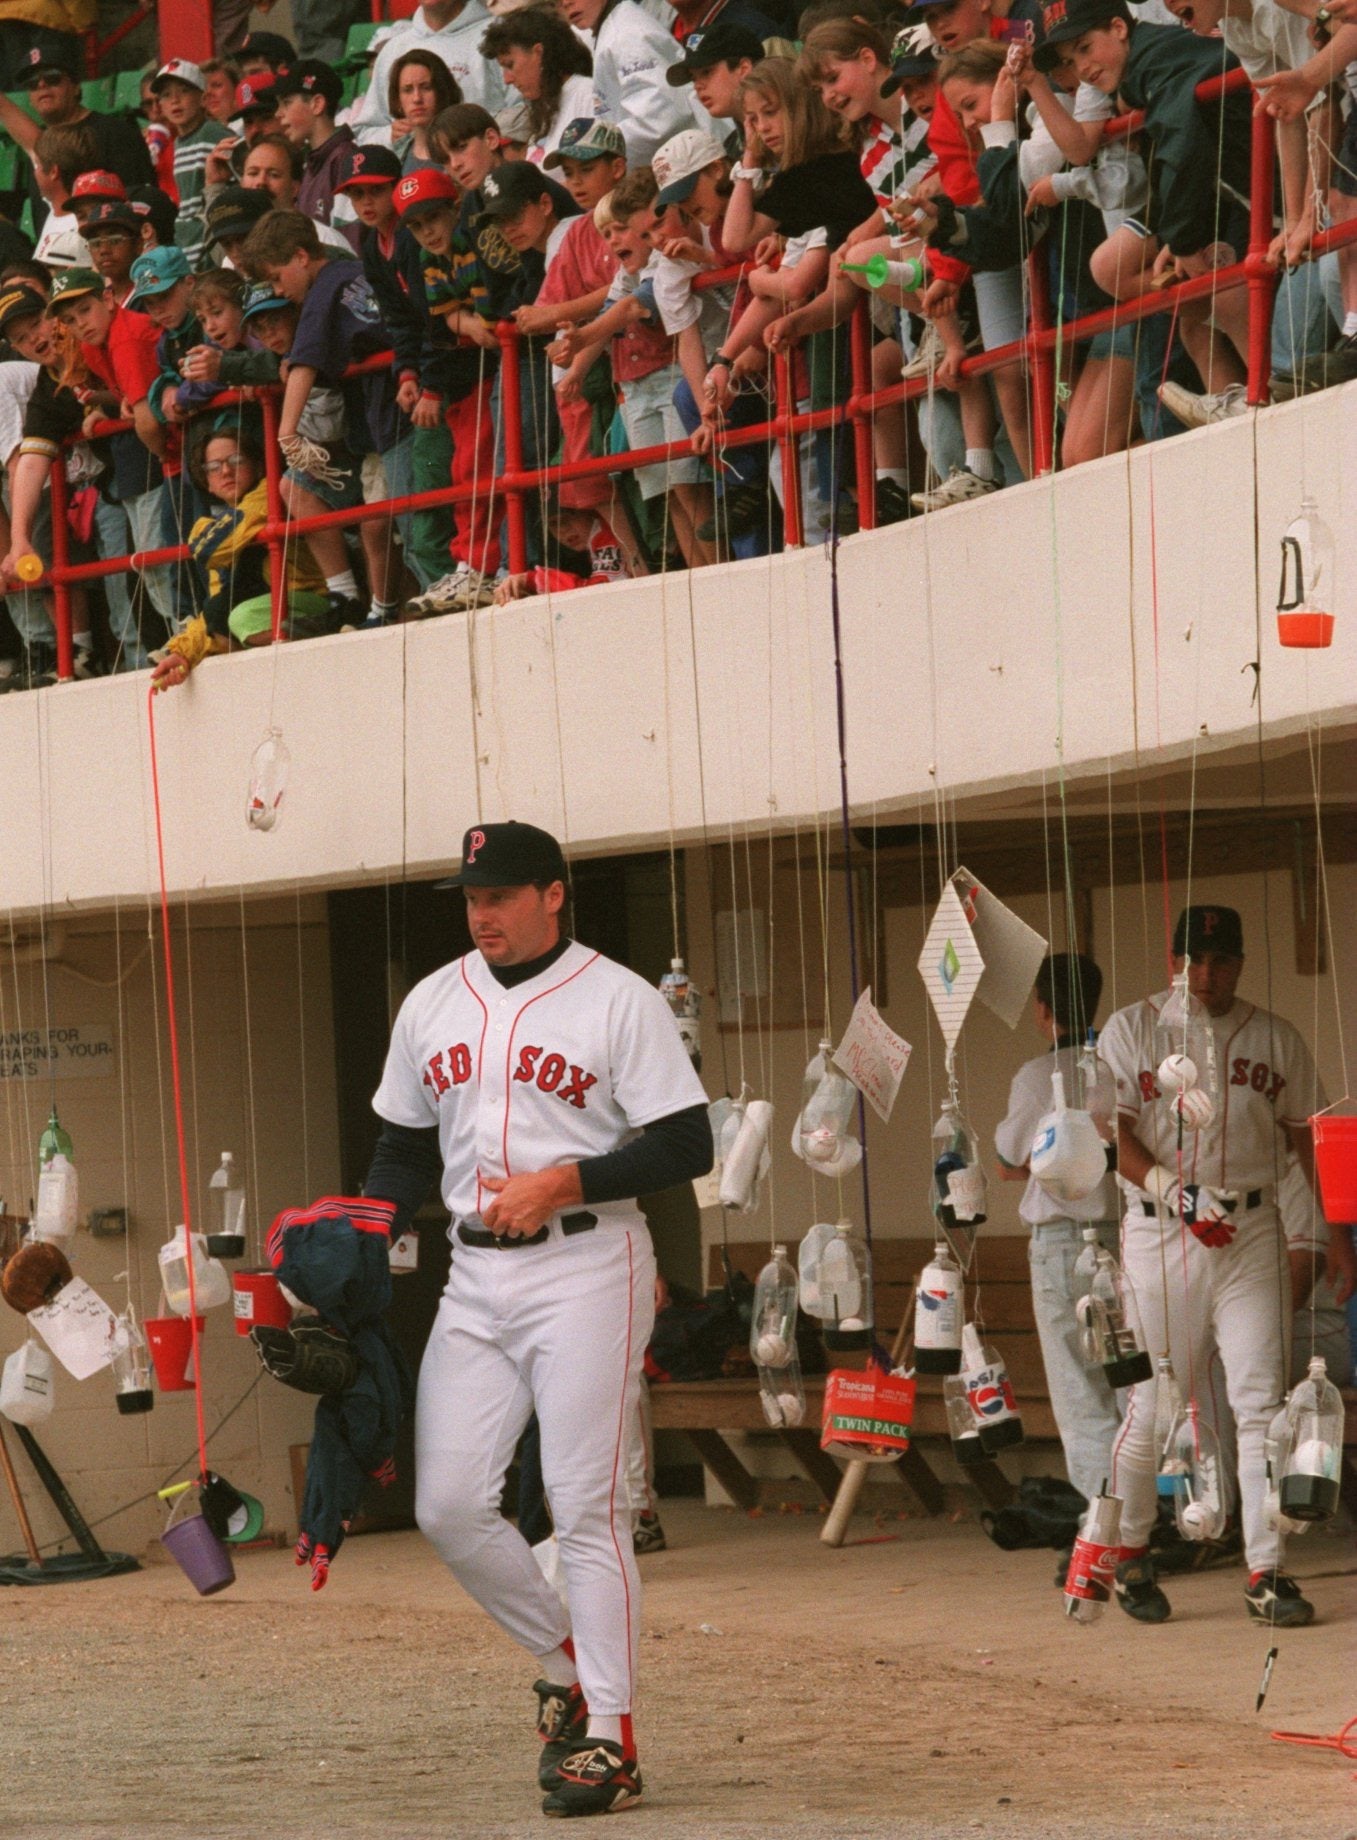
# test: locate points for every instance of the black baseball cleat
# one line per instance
(562, 1720)
(594, 1778)
(1137, 1592)
(1276, 1600)
(647, 1536)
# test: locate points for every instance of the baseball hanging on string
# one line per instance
(1186, 1045)
(1191, 1456)
(1305, 598)
(772, 1343)
(1109, 1332)
(269, 769)
(684, 998)
(823, 1133)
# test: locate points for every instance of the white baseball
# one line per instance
(1195, 1520)
(852, 1322)
(1177, 1072)
(821, 1146)
(792, 1409)
(772, 1351)
(1195, 1107)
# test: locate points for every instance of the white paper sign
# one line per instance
(950, 964)
(76, 1051)
(873, 1056)
(80, 1329)
(1011, 949)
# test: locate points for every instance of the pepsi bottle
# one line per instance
(937, 1315)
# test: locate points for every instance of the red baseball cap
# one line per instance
(255, 95)
(424, 190)
(99, 185)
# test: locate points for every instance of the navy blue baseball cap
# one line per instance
(1209, 929)
(508, 856)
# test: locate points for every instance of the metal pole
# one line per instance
(61, 556)
(1041, 365)
(273, 490)
(784, 416)
(511, 398)
(860, 412)
(1262, 277)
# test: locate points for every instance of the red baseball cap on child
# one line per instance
(99, 185)
(419, 191)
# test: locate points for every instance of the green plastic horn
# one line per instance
(879, 270)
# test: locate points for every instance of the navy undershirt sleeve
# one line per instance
(406, 1165)
(668, 1151)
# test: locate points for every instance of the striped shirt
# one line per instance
(893, 163)
(190, 162)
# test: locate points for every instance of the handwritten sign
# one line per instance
(80, 1329)
(77, 1051)
(873, 1056)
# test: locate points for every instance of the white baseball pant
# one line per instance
(559, 1329)
(1236, 1299)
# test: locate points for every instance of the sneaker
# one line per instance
(340, 616)
(595, 1778)
(1276, 1600)
(1196, 410)
(959, 486)
(647, 1536)
(929, 355)
(1137, 1592)
(453, 593)
(742, 512)
(375, 622)
(562, 1720)
(892, 503)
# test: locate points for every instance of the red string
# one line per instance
(178, 1096)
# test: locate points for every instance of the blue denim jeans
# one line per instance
(737, 466)
(121, 529)
(1084, 1405)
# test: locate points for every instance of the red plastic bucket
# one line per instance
(258, 1299)
(199, 1554)
(170, 1340)
(1310, 631)
(867, 1415)
(1335, 1140)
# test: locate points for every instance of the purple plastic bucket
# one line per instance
(199, 1554)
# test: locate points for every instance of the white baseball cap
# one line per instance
(178, 70)
(678, 163)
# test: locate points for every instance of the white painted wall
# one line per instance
(1118, 605)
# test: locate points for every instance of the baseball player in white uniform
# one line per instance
(548, 1087)
(1203, 1247)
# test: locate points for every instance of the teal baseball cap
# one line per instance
(261, 298)
(157, 271)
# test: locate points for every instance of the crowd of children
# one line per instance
(664, 202)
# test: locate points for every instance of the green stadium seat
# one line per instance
(360, 35)
(97, 93)
(127, 91)
(21, 100)
(352, 85)
(11, 177)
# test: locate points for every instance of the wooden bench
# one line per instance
(705, 1410)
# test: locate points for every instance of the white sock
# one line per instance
(980, 461)
(382, 610)
(898, 475)
(1349, 324)
(559, 1669)
(344, 584)
(604, 1727)
(83, 642)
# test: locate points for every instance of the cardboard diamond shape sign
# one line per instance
(950, 965)
(1012, 950)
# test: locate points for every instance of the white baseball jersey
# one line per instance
(1029, 1100)
(1267, 1080)
(566, 1065)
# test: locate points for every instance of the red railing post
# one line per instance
(1262, 278)
(860, 413)
(784, 413)
(510, 403)
(273, 492)
(61, 556)
(1041, 366)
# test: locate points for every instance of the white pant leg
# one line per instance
(1174, 1294)
(581, 1346)
(472, 1406)
(1252, 1319)
(640, 1498)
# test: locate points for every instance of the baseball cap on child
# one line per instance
(256, 95)
(514, 123)
(103, 185)
(262, 299)
(679, 164)
(914, 53)
(111, 217)
(1208, 929)
(310, 77)
(277, 50)
(157, 270)
(719, 44)
(178, 70)
(509, 188)
(235, 211)
(1062, 21)
(588, 139)
(76, 284)
(18, 303)
(368, 166)
(507, 856)
(421, 192)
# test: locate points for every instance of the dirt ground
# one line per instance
(926, 1685)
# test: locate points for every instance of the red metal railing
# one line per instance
(1037, 350)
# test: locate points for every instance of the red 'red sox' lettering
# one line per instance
(549, 1075)
(448, 1068)
(1259, 1076)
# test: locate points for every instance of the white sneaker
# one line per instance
(451, 594)
(1196, 410)
(929, 355)
(959, 485)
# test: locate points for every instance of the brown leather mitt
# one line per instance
(34, 1275)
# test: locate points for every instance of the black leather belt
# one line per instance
(1252, 1200)
(571, 1224)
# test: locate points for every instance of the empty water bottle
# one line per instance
(823, 1133)
(845, 1284)
(1106, 1315)
(937, 1315)
(1310, 1466)
(685, 1000)
(958, 1193)
(268, 782)
(226, 1200)
(1192, 1457)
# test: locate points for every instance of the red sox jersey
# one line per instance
(1267, 1080)
(566, 1065)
